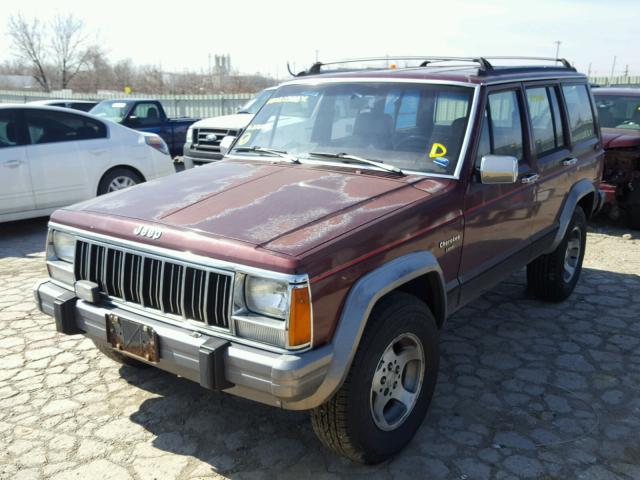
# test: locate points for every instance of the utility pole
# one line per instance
(557, 42)
(589, 71)
(613, 67)
(317, 55)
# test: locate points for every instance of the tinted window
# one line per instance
(579, 108)
(8, 128)
(85, 107)
(146, 114)
(545, 119)
(48, 126)
(505, 124)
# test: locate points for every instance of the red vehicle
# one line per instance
(619, 114)
(313, 267)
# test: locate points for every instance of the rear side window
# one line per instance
(8, 129)
(46, 126)
(580, 115)
(505, 126)
(545, 119)
(146, 114)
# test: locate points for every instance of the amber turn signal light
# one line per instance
(300, 317)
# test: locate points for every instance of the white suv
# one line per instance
(52, 157)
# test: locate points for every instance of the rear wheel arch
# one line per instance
(119, 167)
(587, 203)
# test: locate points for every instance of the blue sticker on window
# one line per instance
(441, 161)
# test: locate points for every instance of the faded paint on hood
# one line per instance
(620, 138)
(284, 208)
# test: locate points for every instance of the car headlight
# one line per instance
(64, 246)
(267, 296)
(272, 311)
(189, 138)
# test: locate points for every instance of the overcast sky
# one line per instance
(263, 35)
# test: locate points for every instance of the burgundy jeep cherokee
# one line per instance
(313, 267)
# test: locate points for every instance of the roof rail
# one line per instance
(483, 62)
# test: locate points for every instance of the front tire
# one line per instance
(552, 277)
(387, 392)
(118, 179)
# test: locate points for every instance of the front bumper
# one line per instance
(282, 380)
(196, 158)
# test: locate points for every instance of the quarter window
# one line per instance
(47, 126)
(9, 136)
(580, 115)
(545, 119)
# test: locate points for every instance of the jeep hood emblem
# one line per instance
(149, 232)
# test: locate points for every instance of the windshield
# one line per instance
(616, 111)
(414, 127)
(256, 103)
(110, 110)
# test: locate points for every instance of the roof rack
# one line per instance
(484, 66)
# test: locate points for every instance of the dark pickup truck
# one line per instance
(146, 116)
(314, 266)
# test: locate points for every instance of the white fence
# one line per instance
(199, 106)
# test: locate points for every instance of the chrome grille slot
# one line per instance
(178, 290)
(203, 138)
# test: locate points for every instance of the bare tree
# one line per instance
(69, 47)
(28, 40)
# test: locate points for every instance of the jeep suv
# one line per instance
(313, 267)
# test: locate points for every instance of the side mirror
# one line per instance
(226, 143)
(132, 121)
(498, 169)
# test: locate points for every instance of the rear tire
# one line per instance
(107, 351)
(118, 179)
(552, 277)
(364, 421)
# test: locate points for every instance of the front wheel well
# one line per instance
(115, 167)
(429, 289)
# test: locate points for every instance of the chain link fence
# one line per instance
(199, 106)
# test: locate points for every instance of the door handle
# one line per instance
(530, 178)
(12, 163)
(569, 162)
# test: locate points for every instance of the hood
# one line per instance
(287, 209)
(620, 138)
(232, 122)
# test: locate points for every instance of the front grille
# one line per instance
(201, 142)
(190, 292)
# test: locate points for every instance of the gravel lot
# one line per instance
(526, 390)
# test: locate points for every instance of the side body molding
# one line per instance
(581, 189)
(360, 301)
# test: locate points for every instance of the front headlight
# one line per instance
(189, 138)
(266, 296)
(64, 246)
(272, 311)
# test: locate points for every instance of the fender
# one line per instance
(580, 190)
(353, 320)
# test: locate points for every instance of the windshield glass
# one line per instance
(616, 111)
(110, 110)
(415, 127)
(256, 103)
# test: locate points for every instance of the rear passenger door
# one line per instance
(498, 216)
(551, 157)
(57, 170)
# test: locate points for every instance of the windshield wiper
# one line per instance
(346, 156)
(270, 151)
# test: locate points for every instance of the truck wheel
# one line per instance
(118, 179)
(107, 351)
(389, 387)
(552, 277)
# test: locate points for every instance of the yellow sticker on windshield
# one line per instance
(244, 138)
(437, 150)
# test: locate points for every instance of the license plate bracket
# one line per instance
(134, 338)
